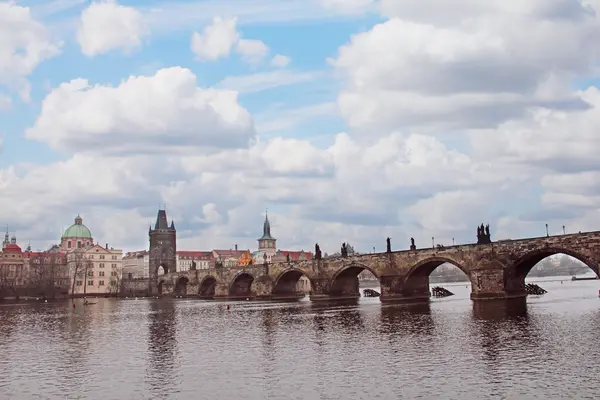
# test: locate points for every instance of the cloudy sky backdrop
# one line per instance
(350, 120)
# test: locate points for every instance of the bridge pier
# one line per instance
(496, 283)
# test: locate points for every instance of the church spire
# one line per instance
(267, 229)
(6, 238)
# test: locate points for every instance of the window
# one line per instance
(79, 283)
(102, 256)
(101, 265)
(69, 245)
(90, 283)
(78, 244)
(101, 273)
(114, 273)
(100, 283)
(114, 265)
(90, 273)
(114, 257)
(91, 257)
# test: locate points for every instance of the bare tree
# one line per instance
(114, 284)
(87, 265)
(7, 280)
(48, 274)
(79, 266)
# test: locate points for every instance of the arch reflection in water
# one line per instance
(181, 286)
(162, 347)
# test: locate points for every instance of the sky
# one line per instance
(348, 120)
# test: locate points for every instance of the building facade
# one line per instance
(77, 236)
(187, 260)
(136, 265)
(267, 244)
(12, 270)
(95, 271)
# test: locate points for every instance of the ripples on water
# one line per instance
(448, 349)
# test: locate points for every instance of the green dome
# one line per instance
(78, 230)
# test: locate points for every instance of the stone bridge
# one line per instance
(496, 270)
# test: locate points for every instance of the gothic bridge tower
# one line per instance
(162, 252)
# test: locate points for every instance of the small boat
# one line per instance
(88, 303)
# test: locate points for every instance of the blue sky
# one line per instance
(308, 43)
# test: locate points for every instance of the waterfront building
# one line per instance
(76, 236)
(12, 271)
(228, 258)
(267, 244)
(47, 273)
(186, 259)
(95, 271)
(136, 265)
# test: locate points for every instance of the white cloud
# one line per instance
(107, 25)
(280, 61)
(489, 64)
(221, 37)
(216, 40)
(24, 45)
(252, 51)
(143, 113)
(457, 115)
(351, 6)
(267, 80)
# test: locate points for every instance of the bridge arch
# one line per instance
(181, 286)
(285, 285)
(415, 284)
(240, 286)
(344, 283)
(161, 283)
(526, 262)
(427, 266)
(206, 289)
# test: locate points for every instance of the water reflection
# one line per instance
(9, 321)
(162, 347)
(407, 320)
(545, 348)
(501, 310)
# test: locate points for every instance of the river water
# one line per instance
(547, 347)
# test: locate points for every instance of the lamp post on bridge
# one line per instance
(452, 241)
(547, 235)
(564, 230)
(432, 242)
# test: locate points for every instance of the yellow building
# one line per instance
(245, 259)
(95, 271)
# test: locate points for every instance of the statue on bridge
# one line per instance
(193, 267)
(288, 257)
(412, 244)
(344, 250)
(389, 245)
(317, 252)
(483, 234)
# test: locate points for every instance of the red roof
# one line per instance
(231, 253)
(11, 248)
(295, 255)
(195, 254)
